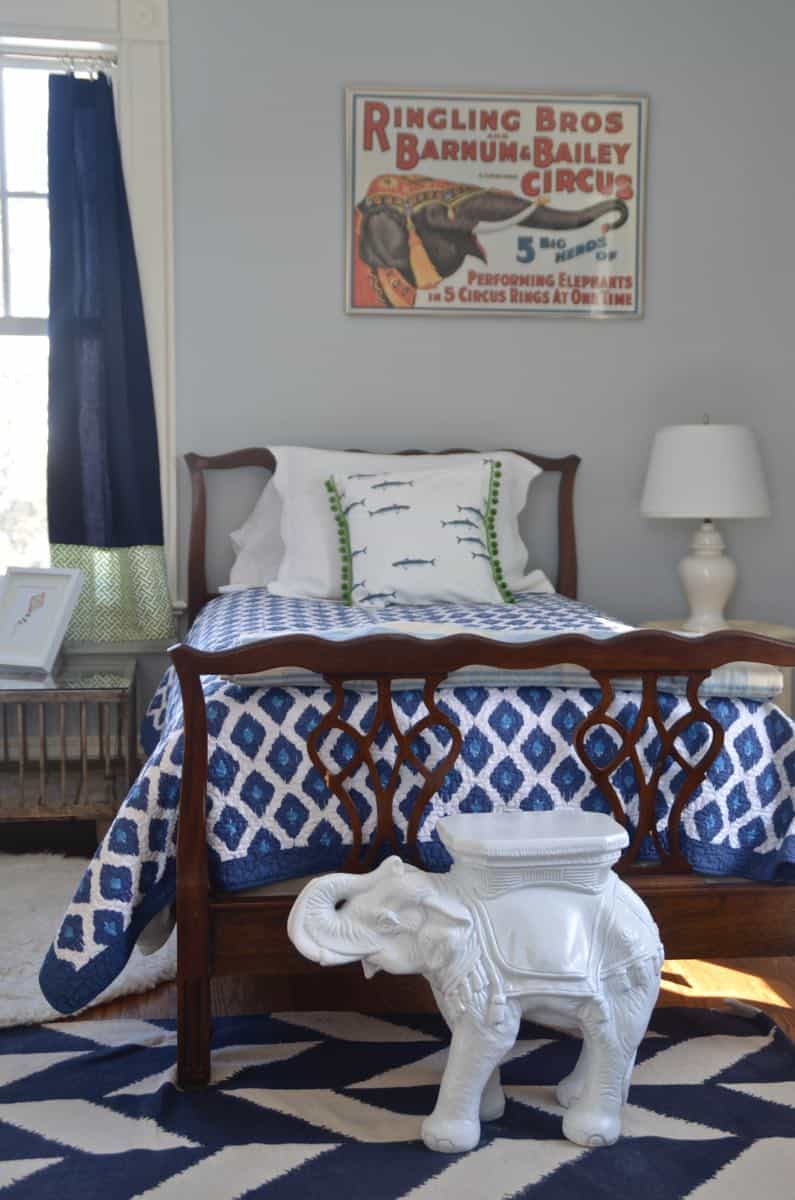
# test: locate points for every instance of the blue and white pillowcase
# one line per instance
(420, 536)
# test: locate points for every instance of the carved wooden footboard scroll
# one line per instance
(640, 659)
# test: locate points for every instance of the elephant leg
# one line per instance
(571, 1088)
(635, 1007)
(594, 1117)
(627, 1079)
(492, 1102)
(613, 1027)
(475, 1054)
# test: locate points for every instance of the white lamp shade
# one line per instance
(703, 471)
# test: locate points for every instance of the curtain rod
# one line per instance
(74, 61)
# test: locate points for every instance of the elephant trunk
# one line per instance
(319, 927)
(544, 217)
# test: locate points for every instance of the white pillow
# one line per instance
(417, 537)
(258, 542)
(310, 566)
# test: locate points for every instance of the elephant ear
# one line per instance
(444, 931)
(384, 242)
(450, 910)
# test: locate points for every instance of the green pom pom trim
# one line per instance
(343, 541)
(492, 543)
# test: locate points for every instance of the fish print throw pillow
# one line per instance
(420, 537)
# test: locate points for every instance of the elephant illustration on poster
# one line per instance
(411, 232)
(560, 939)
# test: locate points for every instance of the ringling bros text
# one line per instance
(557, 160)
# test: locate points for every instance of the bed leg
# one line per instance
(194, 1029)
(193, 899)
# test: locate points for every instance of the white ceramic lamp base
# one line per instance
(708, 577)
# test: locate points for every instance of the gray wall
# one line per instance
(265, 354)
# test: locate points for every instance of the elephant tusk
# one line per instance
(369, 969)
(484, 227)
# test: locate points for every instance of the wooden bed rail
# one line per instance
(638, 661)
(259, 456)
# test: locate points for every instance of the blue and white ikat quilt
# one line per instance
(271, 817)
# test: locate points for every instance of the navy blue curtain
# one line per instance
(103, 477)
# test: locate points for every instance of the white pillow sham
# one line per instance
(310, 565)
(258, 544)
(416, 537)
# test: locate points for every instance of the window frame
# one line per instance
(9, 324)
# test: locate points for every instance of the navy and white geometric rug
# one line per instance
(329, 1105)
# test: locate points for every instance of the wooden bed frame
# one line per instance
(240, 933)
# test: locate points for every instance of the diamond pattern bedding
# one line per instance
(270, 816)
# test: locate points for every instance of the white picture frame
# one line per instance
(36, 605)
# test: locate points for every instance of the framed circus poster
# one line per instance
(511, 203)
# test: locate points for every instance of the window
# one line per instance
(24, 286)
(36, 39)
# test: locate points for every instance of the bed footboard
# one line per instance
(698, 917)
(640, 659)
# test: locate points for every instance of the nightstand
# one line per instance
(68, 749)
(784, 632)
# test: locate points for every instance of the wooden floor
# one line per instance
(766, 983)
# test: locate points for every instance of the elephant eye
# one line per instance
(340, 904)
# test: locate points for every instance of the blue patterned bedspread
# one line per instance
(270, 816)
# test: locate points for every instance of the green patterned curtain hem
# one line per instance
(125, 594)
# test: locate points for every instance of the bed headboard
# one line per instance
(259, 456)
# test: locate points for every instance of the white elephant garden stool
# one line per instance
(530, 921)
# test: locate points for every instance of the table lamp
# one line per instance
(705, 471)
